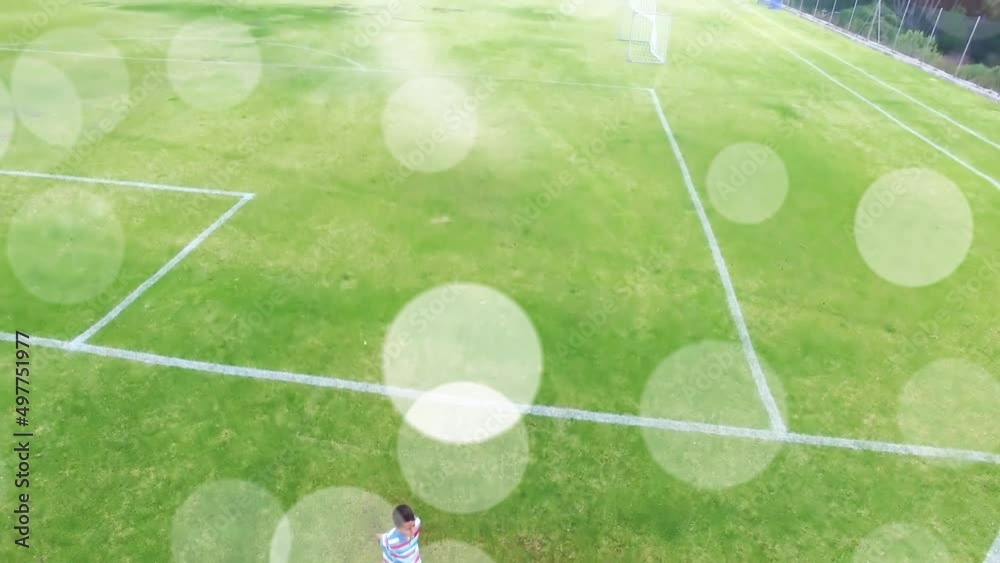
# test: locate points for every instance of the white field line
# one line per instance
(894, 119)
(829, 53)
(137, 292)
(331, 68)
(561, 413)
(777, 423)
(994, 554)
(123, 183)
(906, 59)
(874, 78)
(349, 60)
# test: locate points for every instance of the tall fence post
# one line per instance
(967, 43)
(833, 10)
(816, 8)
(878, 36)
(872, 27)
(849, 22)
(901, 22)
(936, 20)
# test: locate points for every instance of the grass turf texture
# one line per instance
(308, 275)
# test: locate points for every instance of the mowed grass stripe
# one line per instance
(128, 442)
(295, 440)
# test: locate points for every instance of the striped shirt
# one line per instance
(397, 548)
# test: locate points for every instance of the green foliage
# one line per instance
(863, 18)
(917, 44)
(992, 8)
(987, 76)
(942, 50)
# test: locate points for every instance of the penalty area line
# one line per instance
(561, 413)
(137, 292)
(121, 183)
(774, 415)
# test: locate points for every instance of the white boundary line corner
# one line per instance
(244, 198)
(137, 292)
(773, 413)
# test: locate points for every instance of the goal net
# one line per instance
(648, 35)
(630, 7)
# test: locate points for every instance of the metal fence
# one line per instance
(937, 33)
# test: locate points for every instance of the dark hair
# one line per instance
(402, 514)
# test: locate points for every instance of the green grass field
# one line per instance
(224, 333)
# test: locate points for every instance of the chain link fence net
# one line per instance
(959, 37)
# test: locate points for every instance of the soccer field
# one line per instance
(284, 265)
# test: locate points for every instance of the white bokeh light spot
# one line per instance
(46, 100)
(913, 227)
(747, 183)
(333, 524)
(709, 382)
(951, 403)
(215, 64)
(66, 245)
(463, 478)
(462, 413)
(100, 81)
(430, 124)
(901, 543)
(462, 333)
(227, 521)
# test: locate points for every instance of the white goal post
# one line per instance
(646, 30)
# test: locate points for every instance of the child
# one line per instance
(400, 544)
